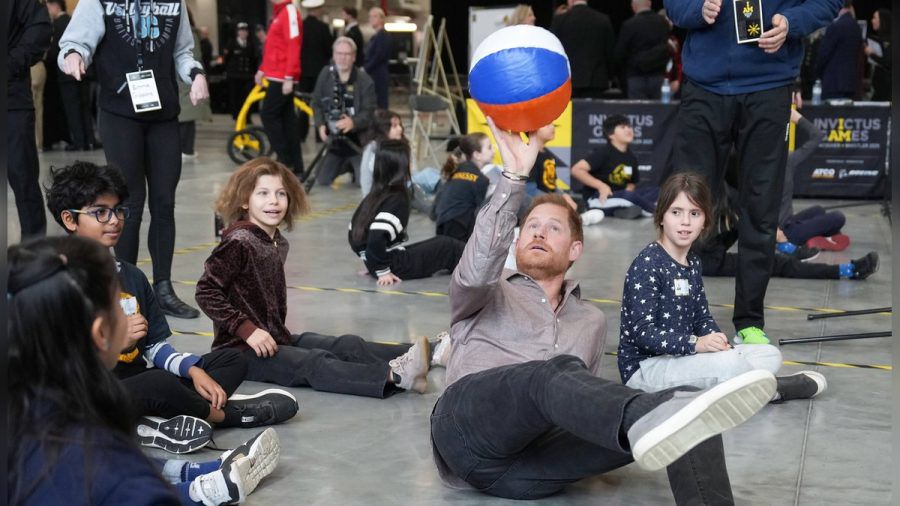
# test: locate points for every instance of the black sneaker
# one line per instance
(804, 253)
(627, 213)
(181, 434)
(170, 303)
(801, 385)
(264, 408)
(865, 266)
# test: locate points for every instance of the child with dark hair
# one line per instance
(464, 187)
(667, 335)
(243, 290)
(187, 391)
(610, 174)
(385, 125)
(542, 178)
(378, 227)
(69, 423)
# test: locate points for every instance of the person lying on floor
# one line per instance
(525, 413)
(243, 290)
(188, 392)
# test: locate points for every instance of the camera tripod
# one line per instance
(312, 170)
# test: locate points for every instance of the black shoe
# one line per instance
(627, 213)
(865, 266)
(263, 408)
(802, 385)
(181, 434)
(170, 303)
(804, 253)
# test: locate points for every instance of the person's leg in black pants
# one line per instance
(527, 430)
(163, 162)
(424, 259)
(73, 106)
(787, 266)
(24, 173)
(280, 124)
(762, 153)
(123, 144)
(187, 133)
(322, 370)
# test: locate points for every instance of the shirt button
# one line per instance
(556, 345)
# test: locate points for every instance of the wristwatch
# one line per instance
(692, 339)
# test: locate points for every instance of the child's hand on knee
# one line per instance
(713, 342)
(262, 343)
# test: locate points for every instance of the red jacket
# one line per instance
(281, 55)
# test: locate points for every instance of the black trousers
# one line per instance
(187, 134)
(459, 228)
(238, 89)
(24, 172)
(784, 266)
(149, 155)
(161, 393)
(281, 126)
(345, 364)
(424, 259)
(528, 430)
(708, 127)
(75, 100)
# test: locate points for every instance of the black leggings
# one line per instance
(148, 154)
(282, 127)
(161, 393)
(424, 259)
(187, 131)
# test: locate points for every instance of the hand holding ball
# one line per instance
(520, 77)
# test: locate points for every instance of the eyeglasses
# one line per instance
(105, 214)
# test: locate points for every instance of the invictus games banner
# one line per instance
(654, 131)
(850, 161)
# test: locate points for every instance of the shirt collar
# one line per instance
(570, 286)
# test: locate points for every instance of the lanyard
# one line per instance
(135, 23)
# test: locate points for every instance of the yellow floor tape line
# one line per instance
(613, 354)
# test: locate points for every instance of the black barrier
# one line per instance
(850, 162)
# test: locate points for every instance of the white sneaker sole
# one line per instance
(720, 408)
(276, 391)
(264, 455)
(420, 384)
(180, 434)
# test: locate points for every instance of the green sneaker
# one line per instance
(752, 335)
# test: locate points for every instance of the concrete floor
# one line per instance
(352, 450)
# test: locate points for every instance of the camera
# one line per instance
(338, 105)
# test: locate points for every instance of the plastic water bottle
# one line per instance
(817, 93)
(665, 92)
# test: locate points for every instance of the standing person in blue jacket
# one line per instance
(739, 95)
(378, 52)
(667, 336)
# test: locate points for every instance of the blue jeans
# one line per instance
(528, 430)
(644, 197)
(811, 222)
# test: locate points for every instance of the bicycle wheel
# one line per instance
(247, 144)
(261, 133)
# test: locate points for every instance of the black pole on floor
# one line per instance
(840, 337)
(819, 316)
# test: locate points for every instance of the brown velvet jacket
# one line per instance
(243, 286)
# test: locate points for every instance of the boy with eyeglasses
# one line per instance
(188, 391)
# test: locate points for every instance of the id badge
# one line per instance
(682, 288)
(628, 170)
(129, 304)
(748, 20)
(142, 87)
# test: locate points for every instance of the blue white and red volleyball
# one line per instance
(520, 77)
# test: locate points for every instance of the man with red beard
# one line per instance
(525, 412)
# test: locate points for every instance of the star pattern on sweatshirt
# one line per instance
(654, 320)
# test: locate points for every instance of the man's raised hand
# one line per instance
(518, 156)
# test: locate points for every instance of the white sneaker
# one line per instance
(412, 366)
(592, 217)
(225, 486)
(263, 450)
(180, 434)
(441, 354)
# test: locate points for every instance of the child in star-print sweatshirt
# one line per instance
(668, 337)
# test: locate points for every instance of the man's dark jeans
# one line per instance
(525, 431)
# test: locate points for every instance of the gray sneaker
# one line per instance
(412, 366)
(263, 450)
(441, 354)
(687, 419)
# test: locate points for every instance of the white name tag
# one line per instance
(682, 288)
(142, 87)
(628, 170)
(748, 20)
(129, 305)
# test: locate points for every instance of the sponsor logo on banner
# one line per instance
(844, 173)
(823, 174)
(848, 129)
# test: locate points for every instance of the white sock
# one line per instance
(171, 470)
